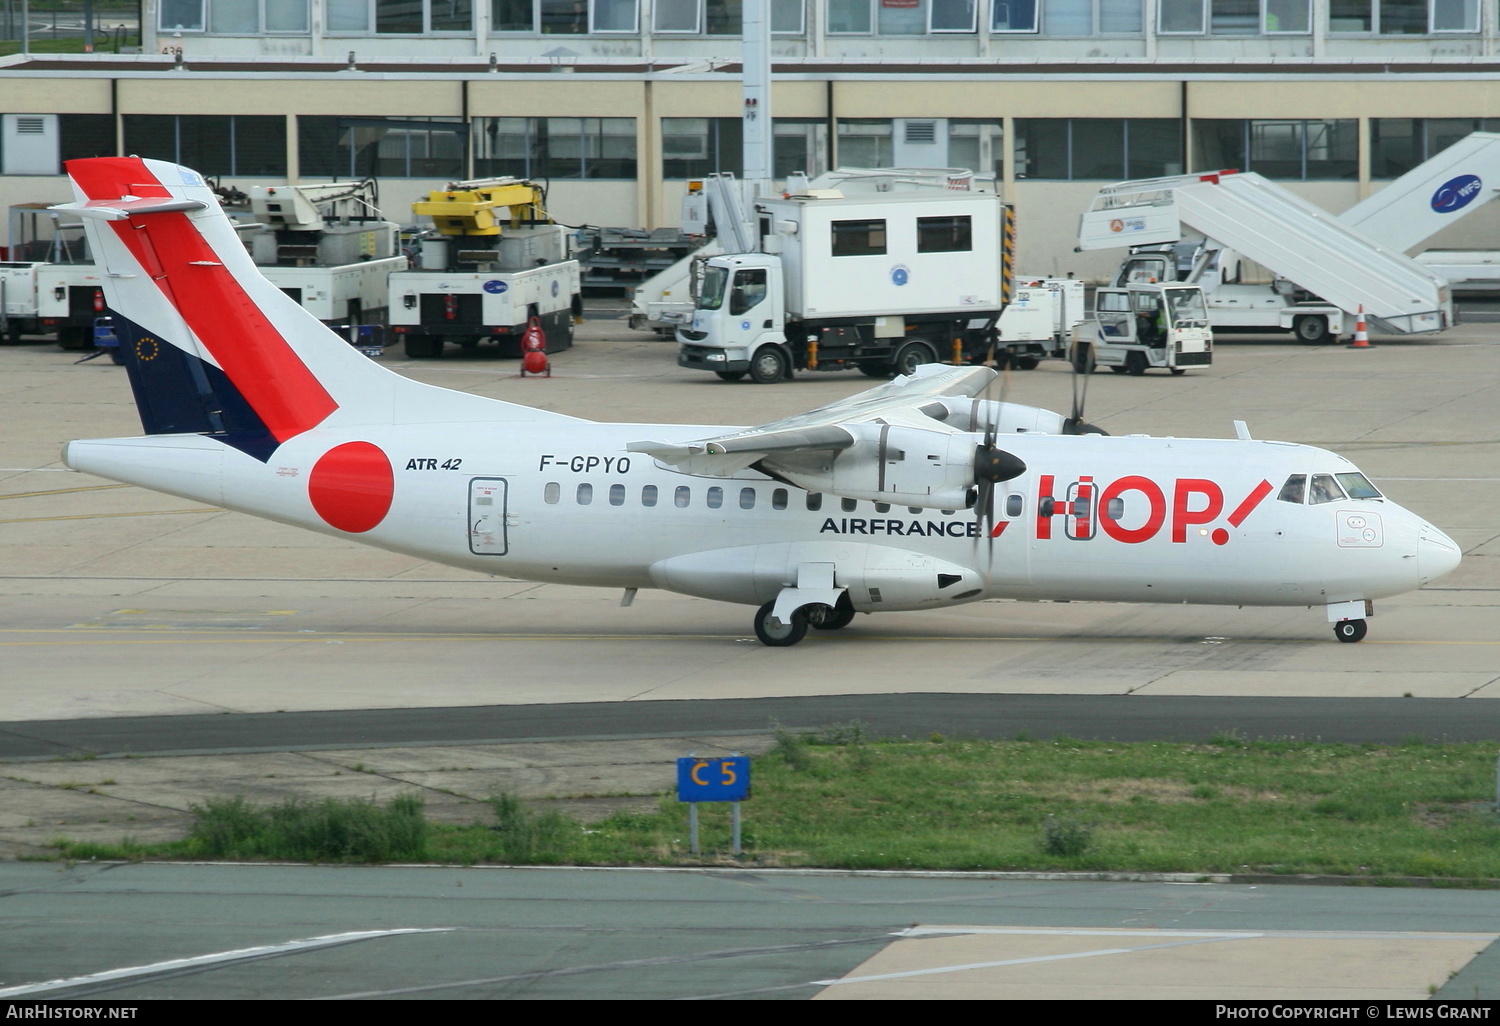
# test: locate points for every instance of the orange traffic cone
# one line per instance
(1361, 336)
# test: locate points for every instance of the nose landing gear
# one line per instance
(1351, 630)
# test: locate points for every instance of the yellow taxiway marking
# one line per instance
(62, 491)
(101, 516)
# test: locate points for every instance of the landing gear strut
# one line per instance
(840, 616)
(1351, 630)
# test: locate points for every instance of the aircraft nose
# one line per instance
(1437, 554)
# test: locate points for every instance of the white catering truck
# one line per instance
(879, 282)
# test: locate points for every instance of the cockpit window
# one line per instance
(1325, 489)
(1295, 489)
(1358, 486)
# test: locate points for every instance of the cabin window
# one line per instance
(1324, 489)
(778, 499)
(747, 498)
(882, 507)
(814, 500)
(648, 495)
(914, 510)
(552, 493)
(1114, 509)
(585, 494)
(1014, 504)
(849, 505)
(944, 234)
(715, 497)
(859, 238)
(1358, 486)
(617, 495)
(1294, 490)
(682, 496)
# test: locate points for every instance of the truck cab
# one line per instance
(738, 319)
(1151, 324)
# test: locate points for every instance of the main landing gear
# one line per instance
(1351, 630)
(818, 616)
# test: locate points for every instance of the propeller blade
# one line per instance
(1083, 366)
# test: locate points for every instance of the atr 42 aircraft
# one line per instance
(916, 494)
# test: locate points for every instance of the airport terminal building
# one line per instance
(615, 104)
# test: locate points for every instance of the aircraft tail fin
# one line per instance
(214, 348)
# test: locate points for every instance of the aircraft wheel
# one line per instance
(775, 633)
(730, 375)
(1351, 630)
(1310, 329)
(911, 356)
(767, 366)
(837, 618)
(1135, 364)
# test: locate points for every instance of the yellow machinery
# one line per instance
(484, 206)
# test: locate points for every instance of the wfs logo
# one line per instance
(1456, 193)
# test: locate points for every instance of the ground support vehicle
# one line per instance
(494, 260)
(1208, 229)
(622, 258)
(1142, 325)
(327, 246)
(49, 286)
(1038, 321)
(879, 282)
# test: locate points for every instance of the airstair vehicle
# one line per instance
(1324, 270)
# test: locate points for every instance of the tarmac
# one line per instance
(118, 602)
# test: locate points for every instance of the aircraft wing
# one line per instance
(828, 429)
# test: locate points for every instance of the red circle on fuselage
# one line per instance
(351, 486)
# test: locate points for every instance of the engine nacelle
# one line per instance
(1002, 418)
(903, 466)
(876, 577)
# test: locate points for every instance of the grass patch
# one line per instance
(331, 830)
(838, 799)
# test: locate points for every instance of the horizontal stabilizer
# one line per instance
(126, 207)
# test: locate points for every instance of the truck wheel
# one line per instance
(73, 338)
(1117, 368)
(911, 356)
(1135, 364)
(424, 347)
(875, 369)
(730, 375)
(768, 365)
(1026, 362)
(1310, 329)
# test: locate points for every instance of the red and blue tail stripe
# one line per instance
(261, 393)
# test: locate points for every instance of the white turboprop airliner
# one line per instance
(915, 494)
